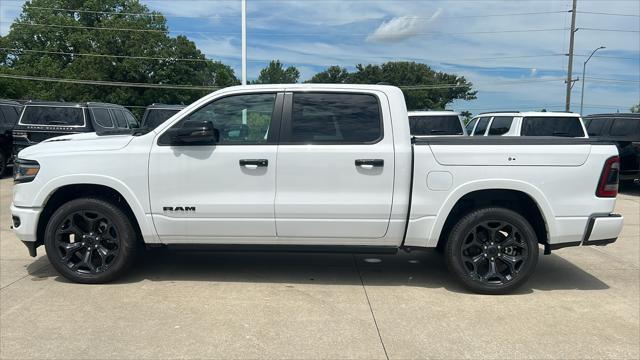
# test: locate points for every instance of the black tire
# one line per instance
(90, 241)
(492, 251)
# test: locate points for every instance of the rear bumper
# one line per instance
(601, 230)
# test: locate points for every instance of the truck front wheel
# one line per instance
(492, 250)
(90, 240)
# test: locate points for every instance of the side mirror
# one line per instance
(197, 133)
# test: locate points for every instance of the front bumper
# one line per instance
(25, 225)
(601, 230)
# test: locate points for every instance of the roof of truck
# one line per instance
(312, 86)
(615, 115)
(69, 104)
(166, 106)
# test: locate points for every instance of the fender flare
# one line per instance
(492, 184)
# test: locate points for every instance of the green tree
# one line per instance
(423, 87)
(55, 51)
(635, 109)
(275, 73)
(467, 115)
(333, 75)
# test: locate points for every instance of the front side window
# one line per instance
(131, 120)
(552, 126)
(626, 127)
(338, 118)
(102, 118)
(120, 119)
(435, 125)
(240, 119)
(500, 125)
(154, 117)
(482, 126)
(53, 116)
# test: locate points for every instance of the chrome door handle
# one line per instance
(254, 163)
(370, 163)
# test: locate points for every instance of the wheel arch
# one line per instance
(515, 195)
(63, 193)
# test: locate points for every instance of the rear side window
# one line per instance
(552, 126)
(120, 120)
(53, 115)
(155, 117)
(500, 125)
(626, 127)
(102, 118)
(435, 125)
(595, 127)
(335, 118)
(482, 126)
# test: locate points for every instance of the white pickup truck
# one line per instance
(318, 168)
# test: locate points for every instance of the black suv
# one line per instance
(9, 115)
(624, 130)
(43, 120)
(156, 114)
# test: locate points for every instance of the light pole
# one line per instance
(244, 42)
(584, 67)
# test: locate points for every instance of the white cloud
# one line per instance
(403, 27)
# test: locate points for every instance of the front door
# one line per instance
(335, 167)
(222, 192)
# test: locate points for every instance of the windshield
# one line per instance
(435, 125)
(155, 117)
(53, 115)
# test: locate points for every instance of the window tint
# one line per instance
(10, 114)
(470, 125)
(500, 125)
(435, 125)
(625, 127)
(101, 117)
(482, 126)
(119, 118)
(133, 122)
(595, 127)
(155, 117)
(335, 118)
(241, 119)
(552, 126)
(53, 115)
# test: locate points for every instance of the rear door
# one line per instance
(335, 167)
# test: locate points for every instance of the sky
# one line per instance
(514, 52)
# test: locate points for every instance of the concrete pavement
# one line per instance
(581, 303)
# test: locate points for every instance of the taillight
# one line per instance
(608, 184)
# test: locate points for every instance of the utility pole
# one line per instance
(244, 41)
(567, 106)
(584, 69)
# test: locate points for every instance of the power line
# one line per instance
(280, 34)
(605, 13)
(104, 55)
(612, 30)
(108, 83)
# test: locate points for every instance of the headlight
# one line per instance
(25, 170)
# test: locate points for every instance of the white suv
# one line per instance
(527, 124)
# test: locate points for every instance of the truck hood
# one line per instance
(77, 143)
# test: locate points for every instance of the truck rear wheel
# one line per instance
(90, 241)
(492, 250)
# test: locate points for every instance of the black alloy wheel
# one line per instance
(492, 250)
(90, 240)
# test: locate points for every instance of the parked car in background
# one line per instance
(624, 130)
(156, 114)
(42, 120)
(514, 123)
(430, 123)
(327, 167)
(9, 114)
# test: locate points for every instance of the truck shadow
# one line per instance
(416, 269)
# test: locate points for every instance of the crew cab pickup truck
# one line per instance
(313, 167)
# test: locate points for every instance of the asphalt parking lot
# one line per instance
(581, 303)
